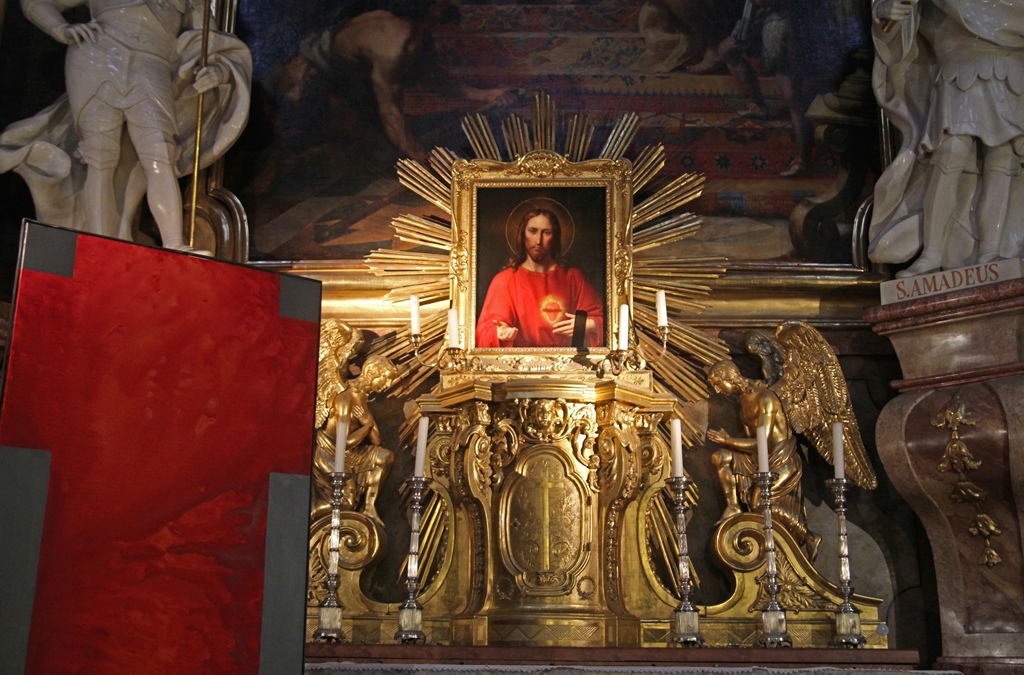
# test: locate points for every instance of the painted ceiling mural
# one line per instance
(344, 89)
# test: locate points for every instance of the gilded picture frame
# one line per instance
(487, 194)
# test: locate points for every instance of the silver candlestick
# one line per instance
(330, 612)
(848, 630)
(410, 614)
(686, 620)
(773, 618)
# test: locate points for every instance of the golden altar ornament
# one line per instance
(546, 518)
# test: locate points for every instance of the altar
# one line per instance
(548, 503)
(542, 472)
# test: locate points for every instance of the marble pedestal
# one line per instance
(952, 442)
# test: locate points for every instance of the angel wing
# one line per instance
(814, 395)
(338, 344)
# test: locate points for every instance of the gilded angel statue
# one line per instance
(341, 399)
(804, 392)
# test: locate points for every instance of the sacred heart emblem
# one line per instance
(551, 308)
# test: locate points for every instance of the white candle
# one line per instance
(414, 312)
(837, 449)
(340, 441)
(453, 329)
(677, 447)
(421, 446)
(623, 326)
(662, 309)
(762, 449)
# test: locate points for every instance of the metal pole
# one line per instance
(207, 11)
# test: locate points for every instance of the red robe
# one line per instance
(532, 302)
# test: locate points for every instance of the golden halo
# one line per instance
(553, 205)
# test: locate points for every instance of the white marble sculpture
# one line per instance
(950, 75)
(126, 127)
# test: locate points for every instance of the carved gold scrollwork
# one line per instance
(739, 546)
(465, 172)
(530, 363)
(458, 265)
(619, 475)
(958, 458)
(440, 453)
(583, 438)
(618, 449)
(471, 437)
(543, 165)
(362, 542)
(739, 543)
(504, 443)
(445, 424)
(478, 446)
(622, 266)
(794, 592)
(653, 454)
(454, 427)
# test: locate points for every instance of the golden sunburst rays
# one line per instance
(436, 188)
(425, 264)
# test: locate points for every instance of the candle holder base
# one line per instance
(329, 623)
(686, 627)
(848, 630)
(410, 625)
(774, 632)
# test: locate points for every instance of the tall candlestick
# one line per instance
(453, 329)
(421, 447)
(686, 619)
(837, 449)
(410, 612)
(762, 449)
(662, 309)
(677, 447)
(340, 441)
(773, 616)
(414, 314)
(329, 614)
(623, 326)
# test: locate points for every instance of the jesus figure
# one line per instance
(533, 301)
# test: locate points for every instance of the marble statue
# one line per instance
(126, 127)
(950, 75)
(803, 392)
(342, 398)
